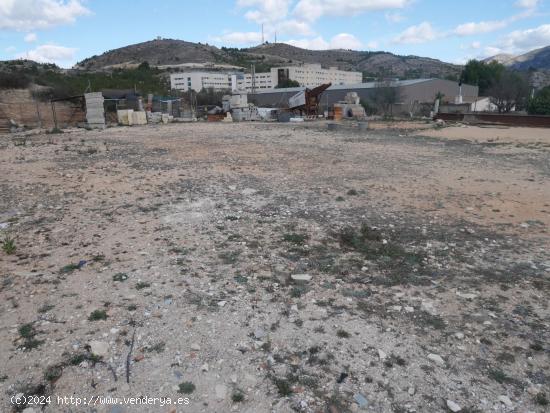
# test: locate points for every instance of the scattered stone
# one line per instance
(360, 400)
(436, 359)
(222, 303)
(409, 309)
(195, 347)
(428, 307)
(221, 391)
(505, 400)
(459, 335)
(301, 278)
(382, 355)
(99, 348)
(259, 333)
(412, 390)
(453, 407)
(466, 296)
(204, 367)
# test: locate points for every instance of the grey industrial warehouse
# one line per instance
(412, 94)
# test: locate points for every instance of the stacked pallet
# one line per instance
(95, 113)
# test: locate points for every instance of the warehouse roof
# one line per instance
(368, 85)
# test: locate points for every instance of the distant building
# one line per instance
(413, 95)
(197, 81)
(308, 75)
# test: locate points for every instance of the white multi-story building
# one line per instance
(197, 81)
(313, 75)
(308, 75)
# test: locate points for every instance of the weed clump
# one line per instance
(8, 245)
(98, 315)
(28, 333)
(186, 387)
(297, 239)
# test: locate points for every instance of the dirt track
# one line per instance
(189, 235)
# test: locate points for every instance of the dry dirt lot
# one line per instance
(275, 268)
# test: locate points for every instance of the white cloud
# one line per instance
(265, 11)
(469, 29)
(345, 41)
(524, 40)
(50, 53)
(394, 17)
(340, 41)
(293, 27)
(314, 9)
(492, 51)
(424, 32)
(10, 49)
(317, 43)
(31, 37)
(39, 14)
(527, 4)
(373, 44)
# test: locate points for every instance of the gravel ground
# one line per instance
(270, 267)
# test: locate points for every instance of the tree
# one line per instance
(482, 74)
(287, 83)
(144, 66)
(509, 91)
(540, 104)
(384, 96)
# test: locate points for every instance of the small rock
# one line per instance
(204, 367)
(459, 335)
(412, 390)
(409, 309)
(466, 296)
(428, 307)
(233, 378)
(360, 400)
(195, 347)
(505, 400)
(453, 407)
(382, 355)
(221, 391)
(436, 359)
(259, 333)
(99, 348)
(222, 303)
(301, 278)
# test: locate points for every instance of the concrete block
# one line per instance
(139, 118)
(125, 117)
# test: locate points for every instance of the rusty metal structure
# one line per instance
(307, 102)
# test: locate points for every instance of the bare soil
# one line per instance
(277, 268)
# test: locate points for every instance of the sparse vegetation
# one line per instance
(142, 285)
(8, 245)
(186, 387)
(98, 315)
(297, 239)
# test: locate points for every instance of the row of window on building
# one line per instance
(306, 75)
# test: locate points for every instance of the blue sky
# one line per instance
(66, 31)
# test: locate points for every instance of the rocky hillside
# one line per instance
(372, 63)
(535, 59)
(174, 53)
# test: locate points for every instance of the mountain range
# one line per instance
(173, 54)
